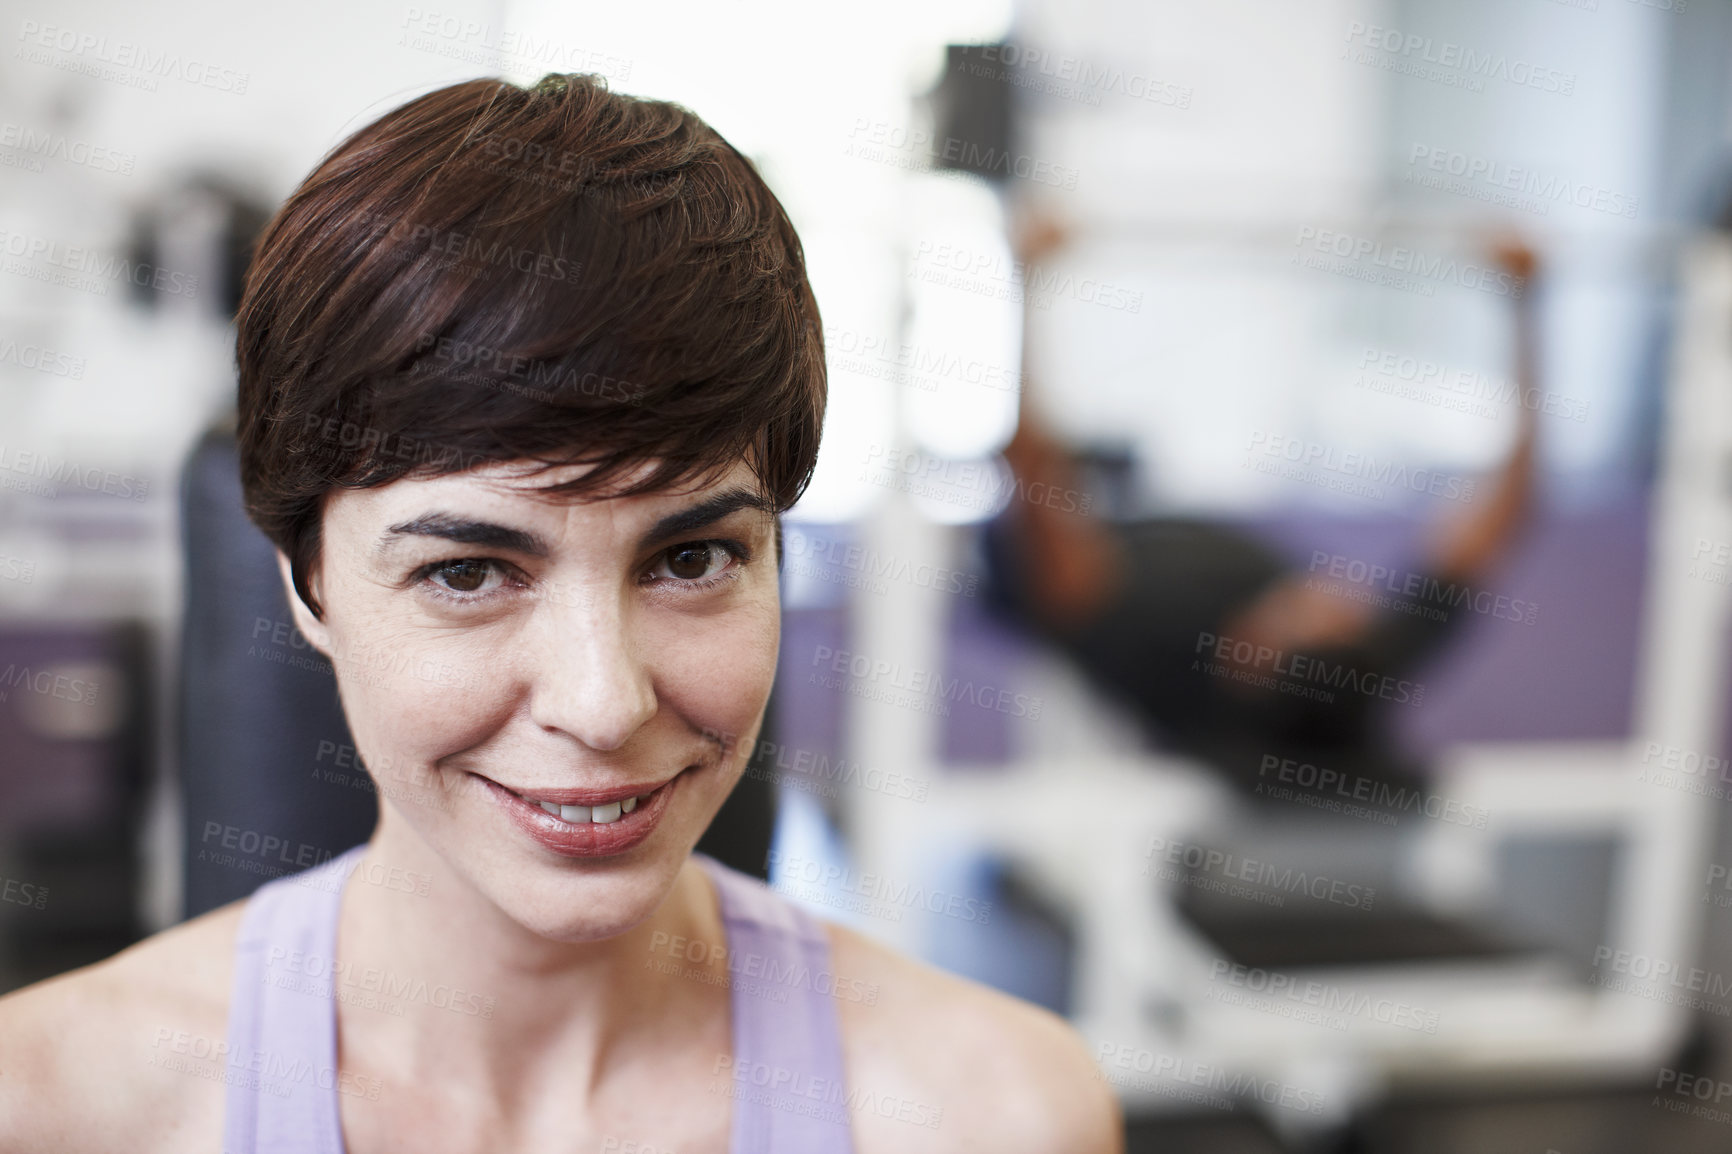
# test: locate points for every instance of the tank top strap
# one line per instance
(282, 1032)
(789, 1092)
(789, 1086)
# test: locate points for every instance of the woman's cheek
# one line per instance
(717, 673)
(417, 696)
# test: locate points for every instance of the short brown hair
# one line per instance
(491, 273)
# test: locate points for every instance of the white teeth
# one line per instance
(598, 815)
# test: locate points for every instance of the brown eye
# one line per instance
(463, 576)
(690, 562)
(696, 566)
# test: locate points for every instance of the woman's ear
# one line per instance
(314, 630)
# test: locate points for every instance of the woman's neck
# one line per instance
(437, 981)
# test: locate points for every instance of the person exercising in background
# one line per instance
(1213, 640)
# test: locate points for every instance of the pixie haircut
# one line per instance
(559, 274)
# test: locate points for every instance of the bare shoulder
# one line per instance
(940, 1063)
(107, 1057)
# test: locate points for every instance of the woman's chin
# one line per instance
(576, 929)
(585, 909)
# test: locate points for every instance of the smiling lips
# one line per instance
(586, 823)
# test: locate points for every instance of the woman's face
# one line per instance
(500, 652)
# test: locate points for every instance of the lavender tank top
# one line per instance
(786, 1081)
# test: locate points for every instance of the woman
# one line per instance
(526, 379)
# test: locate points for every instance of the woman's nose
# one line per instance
(591, 677)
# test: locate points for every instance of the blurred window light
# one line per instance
(854, 277)
(962, 360)
(946, 490)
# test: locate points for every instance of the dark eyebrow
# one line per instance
(489, 535)
(707, 512)
(466, 532)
